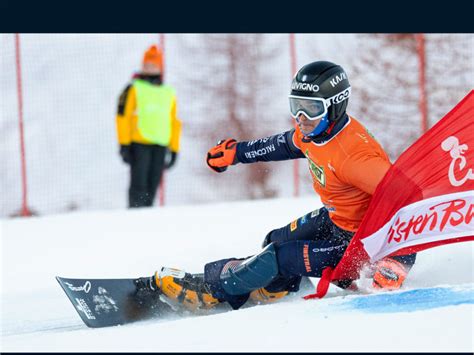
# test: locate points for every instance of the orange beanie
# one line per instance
(155, 56)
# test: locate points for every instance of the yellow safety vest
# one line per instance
(154, 104)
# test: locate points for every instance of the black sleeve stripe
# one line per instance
(123, 100)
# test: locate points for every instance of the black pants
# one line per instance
(308, 245)
(146, 168)
(303, 247)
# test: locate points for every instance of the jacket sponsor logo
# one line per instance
(294, 225)
(363, 137)
(261, 140)
(329, 207)
(303, 219)
(317, 172)
(86, 287)
(307, 265)
(456, 151)
(260, 152)
(338, 78)
(305, 87)
(335, 247)
(281, 139)
(431, 220)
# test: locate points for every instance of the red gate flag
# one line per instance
(426, 198)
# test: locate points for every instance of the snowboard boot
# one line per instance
(179, 288)
(146, 295)
(262, 296)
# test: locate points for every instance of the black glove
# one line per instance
(170, 159)
(125, 153)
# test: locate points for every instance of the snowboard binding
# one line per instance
(178, 289)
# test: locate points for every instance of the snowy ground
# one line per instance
(36, 315)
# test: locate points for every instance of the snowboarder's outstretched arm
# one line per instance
(274, 148)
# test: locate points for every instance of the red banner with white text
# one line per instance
(426, 199)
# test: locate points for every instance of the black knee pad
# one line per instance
(212, 272)
(251, 274)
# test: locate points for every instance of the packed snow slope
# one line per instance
(37, 316)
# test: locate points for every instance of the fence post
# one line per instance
(24, 186)
(296, 166)
(161, 191)
(420, 40)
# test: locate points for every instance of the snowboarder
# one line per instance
(346, 164)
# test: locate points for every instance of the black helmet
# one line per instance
(324, 80)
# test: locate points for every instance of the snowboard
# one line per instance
(108, 302)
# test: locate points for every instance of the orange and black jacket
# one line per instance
(345, 167)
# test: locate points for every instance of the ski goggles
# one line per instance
(315, 107)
